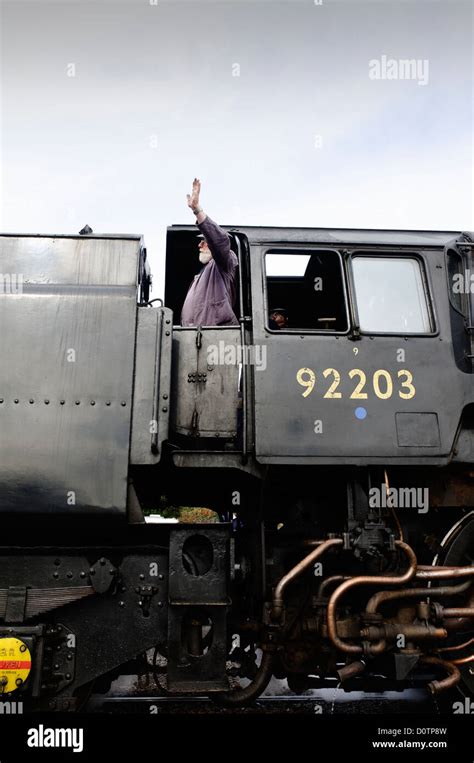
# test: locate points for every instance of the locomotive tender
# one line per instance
(338, 454)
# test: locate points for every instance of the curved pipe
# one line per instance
(453, 677)
(367, 580)
(457, 648)
(253, 690)
(298, 569)
(329, 581)
(382, 596)
(463, 660)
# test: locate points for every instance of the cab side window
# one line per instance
(391, 295)
(309, 286)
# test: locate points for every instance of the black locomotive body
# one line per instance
(337, 453)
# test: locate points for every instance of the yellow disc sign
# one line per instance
(15, 664)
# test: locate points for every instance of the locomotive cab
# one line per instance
(370, 322)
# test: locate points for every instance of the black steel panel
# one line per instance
(67, 348)
(152, 381)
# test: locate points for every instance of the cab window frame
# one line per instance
(463, 306)
(425, 283)
(304, 249)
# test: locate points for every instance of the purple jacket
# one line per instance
(212, 293)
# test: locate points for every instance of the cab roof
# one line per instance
(374, 236)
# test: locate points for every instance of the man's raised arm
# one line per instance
(217, 239)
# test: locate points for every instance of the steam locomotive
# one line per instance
(337, 454)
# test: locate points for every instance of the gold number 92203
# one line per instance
(382, 383)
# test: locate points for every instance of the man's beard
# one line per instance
(205, 257)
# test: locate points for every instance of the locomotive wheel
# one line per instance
(458, 550)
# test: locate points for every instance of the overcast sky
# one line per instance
(274, 105)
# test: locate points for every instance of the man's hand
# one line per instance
(193, 197)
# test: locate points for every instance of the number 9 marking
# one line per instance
(309, 383)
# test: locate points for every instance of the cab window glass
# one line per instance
(390, 295)
(308, 286)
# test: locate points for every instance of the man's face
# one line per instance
(204, 252)
(280, 320)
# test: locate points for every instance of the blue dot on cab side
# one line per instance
(360, 413)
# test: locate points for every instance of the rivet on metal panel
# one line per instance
(61, 402)
(165, 397)
(16, 400)
(123, 402)
(31, 402)
(167, 333)
(78, 402)
(108, 402)
(164, 409)
(46, 402)
(92, 402)
(1, 399)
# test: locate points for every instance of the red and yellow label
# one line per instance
(15, 664)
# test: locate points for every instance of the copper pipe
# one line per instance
(382, 596)
(458, 612)
(458, 647)
(367, 580)
(411, 631)
(325, 583)
(277, 606)
(441, 567)
(460, 623)
(453, 677)
(463, 660)
(433, 573)
(351, 670)
(253, 690)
